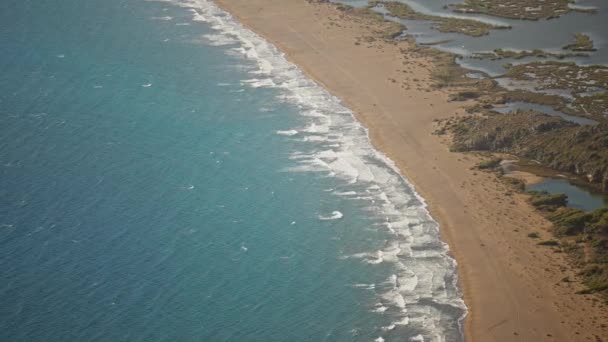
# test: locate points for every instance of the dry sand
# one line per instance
(512, 287)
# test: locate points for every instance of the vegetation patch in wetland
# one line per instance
(582, 42)
(560, 75)
(468, 27)
(518, 9)
(586, 86)
(505, 53)
(380, 27)
(489, 164)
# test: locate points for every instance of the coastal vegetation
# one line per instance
(581, 234)
(468, 27)
(489, 164)
(584, 235)
(582, 42)
(544, 200)
(560, 75)
(552, 141)
(497, 54)
(382, 28)
(560, 145)
(574, 89)
(551, 243)
(518, 9)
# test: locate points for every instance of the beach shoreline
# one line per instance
(511, 286)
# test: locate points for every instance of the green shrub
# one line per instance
(569, 221)
(596, 278)
(517, 183)
(489, 164)
(599, 219)
(557, 200)
(548, 243)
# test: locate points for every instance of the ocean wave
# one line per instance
(288, 132)
(424, 282)
(165, 18)
(335, 215)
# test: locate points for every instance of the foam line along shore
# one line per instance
(422, 293)
(390, 98)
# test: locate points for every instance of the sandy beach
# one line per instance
(512, 287)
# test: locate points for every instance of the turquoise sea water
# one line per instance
(167, 176)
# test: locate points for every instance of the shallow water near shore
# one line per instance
(167, 175)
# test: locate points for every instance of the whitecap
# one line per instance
(335, 215)
(164, 18)
(336, 145)
(365, 286)
(417, 338)
(219, 39)
(346, 193)
(258, 83)
(380, 309)
(288, 132)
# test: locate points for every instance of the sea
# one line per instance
(168, 175)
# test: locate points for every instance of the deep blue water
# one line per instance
(145, 194)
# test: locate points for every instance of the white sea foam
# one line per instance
(335, 215)
(288, 132)
(365, 286)
(336, 145)
(164, 18)
(346, 193)
(219, 39)
(380, 309)
(389, 327)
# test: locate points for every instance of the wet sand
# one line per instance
(512, 287)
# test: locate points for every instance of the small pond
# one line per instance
(578, 197)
